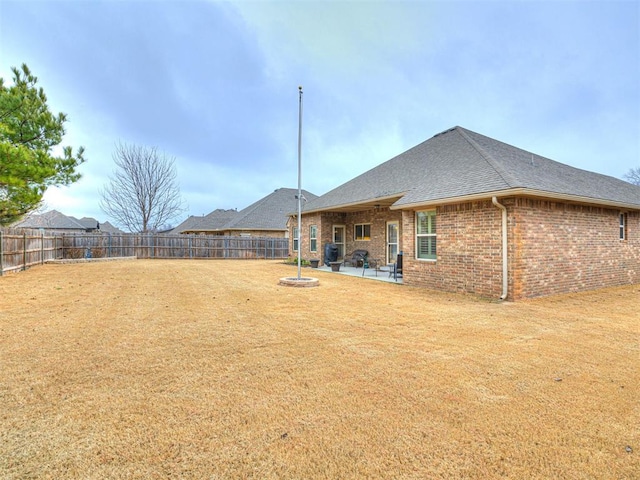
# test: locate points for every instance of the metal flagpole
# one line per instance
(299, 180)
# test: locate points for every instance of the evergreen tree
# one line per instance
(28, 134)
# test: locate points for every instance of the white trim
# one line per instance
(295, 239)
(369, 202)
(313, 238)
(430, 213)
(387, 243)
(344, 237)
(515, 191)
(505, 256)
(622, 220)
(363, 239)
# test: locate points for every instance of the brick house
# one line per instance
(55, 222)
(266, 217)
(472, 214)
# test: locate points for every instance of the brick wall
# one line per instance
(307, 221)
(561, 248)
(377, 218)
(469, 246)
(553, 248)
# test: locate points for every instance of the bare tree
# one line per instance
(633, 176)
(143, 192)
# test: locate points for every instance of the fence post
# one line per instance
(42, 248)
(24, 251)
(1, 254)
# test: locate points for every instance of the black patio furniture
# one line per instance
(397, 267)
(356, 258)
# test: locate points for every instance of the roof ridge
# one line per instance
(70, 218)
(508, 178)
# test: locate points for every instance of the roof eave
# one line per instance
(353, 206)
(195, 230)
(523, 192)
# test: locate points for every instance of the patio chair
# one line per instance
(356, 258)
(397, 267)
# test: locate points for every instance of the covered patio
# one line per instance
(384, 273)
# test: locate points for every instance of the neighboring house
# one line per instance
(267, 217)
(106, 227)
(472, 214)
(206, 223)
(54, 221)
(191, 221)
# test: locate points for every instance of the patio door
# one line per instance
(392, 241)
(338, 239)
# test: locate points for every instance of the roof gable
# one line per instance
(87, 222)
(212, 221)
(52, 219)
(107, 227)
(269, 213)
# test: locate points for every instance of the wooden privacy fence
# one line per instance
(20, 249)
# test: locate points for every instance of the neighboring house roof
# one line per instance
(54, 220)
(106, 227)
(191, 221)
(211, 222)
(217, 218)
(459, 164)
(269, 213)
(87, 222)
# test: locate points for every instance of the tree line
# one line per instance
(141, 195)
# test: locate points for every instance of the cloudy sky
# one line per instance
(215, 85)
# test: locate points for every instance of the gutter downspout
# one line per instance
(505, 271)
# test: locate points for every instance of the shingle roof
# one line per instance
(213, 221)
(269, 213)
(52, 219)
(87, 222)
(191, 221)
(106, 227)
(460, 163)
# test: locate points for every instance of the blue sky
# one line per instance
(215, 85)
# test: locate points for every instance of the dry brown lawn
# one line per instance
(211, 370)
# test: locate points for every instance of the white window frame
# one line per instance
(313, 238)
(363, 237)
(339, 244)
(393, 246)
(296, 239)
(430, 234)
(623, 226)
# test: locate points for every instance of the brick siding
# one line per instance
(377, 218)
(553, 247)
(562, 248)
(469, 246)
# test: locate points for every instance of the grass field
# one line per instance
(211, 370)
